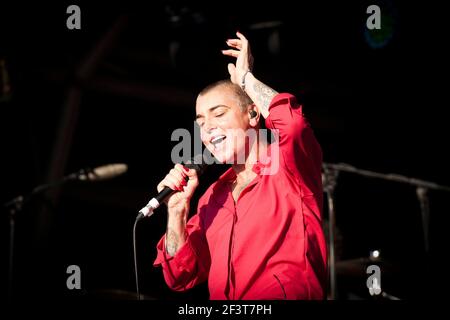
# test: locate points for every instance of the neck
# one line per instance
(244, 171)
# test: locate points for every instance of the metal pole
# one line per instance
(13, 206)
(422, 188)
(386, 176)
(329, 186)
(422, 195)
(11, 253)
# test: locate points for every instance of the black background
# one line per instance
(381, 109)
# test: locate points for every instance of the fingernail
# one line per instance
(185, 169)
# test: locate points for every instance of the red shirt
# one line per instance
(270, 243)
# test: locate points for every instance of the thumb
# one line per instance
(232, 71)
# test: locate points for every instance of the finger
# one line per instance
(191, 173)
(244, 42)
(235, 43)
(166, 183)
(178, 176)
(241, 36)
(181, 169)
(160, 186)
(231, 53)
(172, 183)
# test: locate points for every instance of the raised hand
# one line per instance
(244, 59)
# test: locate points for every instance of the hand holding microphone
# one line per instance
(177, 188)
(183, 180)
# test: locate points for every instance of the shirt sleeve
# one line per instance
(190, 265)
(301, 153)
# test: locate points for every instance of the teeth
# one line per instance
(216, 139)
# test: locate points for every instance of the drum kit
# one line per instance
(366, 271)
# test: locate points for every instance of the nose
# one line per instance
(209, 125)
(207, 129)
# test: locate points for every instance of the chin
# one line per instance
(228, 153)
(223, 159)
(229, 157)
(223, 156)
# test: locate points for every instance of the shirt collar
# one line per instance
(260, 167)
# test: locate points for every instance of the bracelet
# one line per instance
(243, 80)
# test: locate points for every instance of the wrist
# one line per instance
(243, 83)
(179, 208)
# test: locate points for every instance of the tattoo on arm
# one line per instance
(172, 242)
(264, 95)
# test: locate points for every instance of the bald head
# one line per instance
(228, 87)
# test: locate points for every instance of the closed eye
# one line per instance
(219, 109)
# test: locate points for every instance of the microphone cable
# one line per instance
(196, 163)
(138, 294)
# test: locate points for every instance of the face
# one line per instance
(222, 124)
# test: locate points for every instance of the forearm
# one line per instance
(260, 93)
(176, 226)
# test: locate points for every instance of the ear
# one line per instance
(253, 115)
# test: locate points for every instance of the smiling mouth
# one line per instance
(217, 141)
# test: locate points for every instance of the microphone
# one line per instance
(104, 172)
(195, 163)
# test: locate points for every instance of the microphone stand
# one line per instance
(422, 195)
(422, 188)
(330, 181)
(14, 206)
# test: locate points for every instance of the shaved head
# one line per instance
(226, 85)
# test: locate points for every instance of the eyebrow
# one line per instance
(211, 110)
